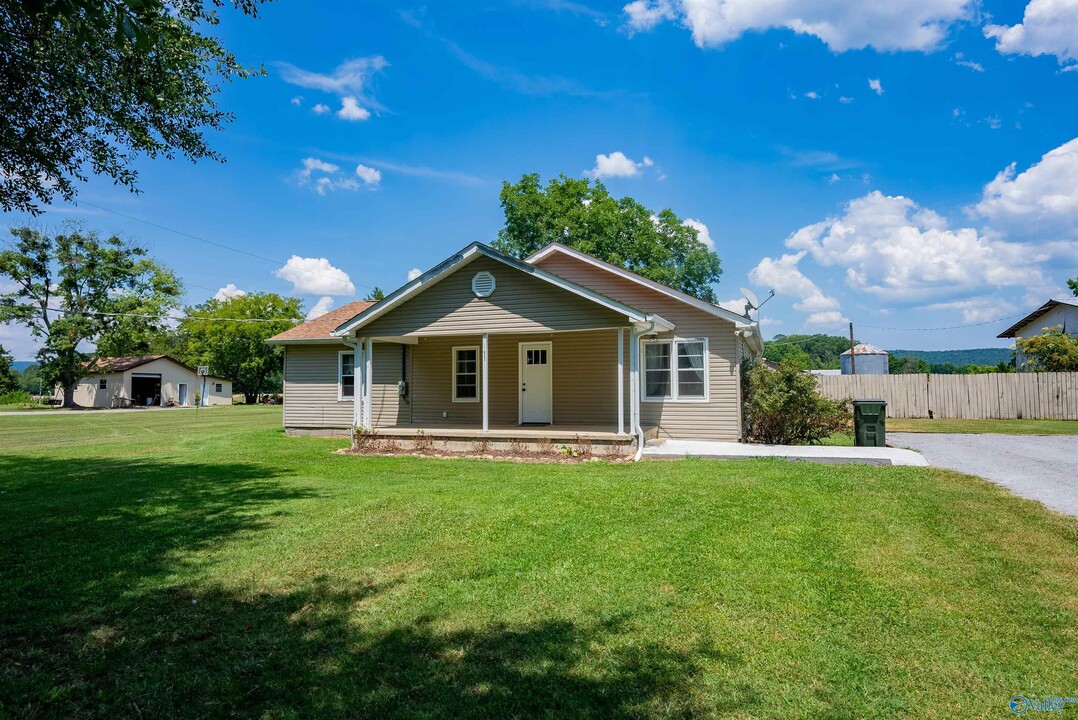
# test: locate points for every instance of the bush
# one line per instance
(16, 397)
(783, 407)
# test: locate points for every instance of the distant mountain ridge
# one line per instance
(974, 356)
(21, 365)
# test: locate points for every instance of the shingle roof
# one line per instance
(121, 364)
(322, 327)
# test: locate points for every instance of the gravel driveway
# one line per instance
(1038, 467)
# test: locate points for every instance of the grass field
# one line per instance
(1006, 427)
(172, 565)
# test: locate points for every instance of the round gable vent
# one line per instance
(483, 284)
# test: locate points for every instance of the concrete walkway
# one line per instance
(807, 453)
(1037, 467)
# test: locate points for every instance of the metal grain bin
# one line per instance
(869, 423)
(870, 360)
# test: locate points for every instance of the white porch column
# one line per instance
(634, 381)
(621, 381)
(359, 368)
(483, 374)
(368, 357)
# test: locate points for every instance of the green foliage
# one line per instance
(907, 365)
(1051, 351)
(16, 397)
(31, 381)
(623, 232)
(822, 350)
(1073, 285)
(9, 379)
(238, 350)
(376, 294)
(76, 288)
(972, 356)
(89, 85)
(784, 407)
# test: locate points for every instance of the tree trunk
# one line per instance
(69, 396)
(250, 398)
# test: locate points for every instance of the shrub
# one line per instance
(1051, 351)
(16, 397)
(783, 407)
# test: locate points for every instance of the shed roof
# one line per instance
(1012, 331)
(866, 349)
(105, 365)
(321, 328)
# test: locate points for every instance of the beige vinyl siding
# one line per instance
(716, 419)
(520, 303)
(583, 367)
(310, 388)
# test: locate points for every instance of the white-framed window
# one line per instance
(675, 370)
(466, 374)
(346, 375)
(218, 387)
(102, 384)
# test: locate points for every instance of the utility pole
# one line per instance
(853, 355)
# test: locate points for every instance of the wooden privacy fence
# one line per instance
(1005, 396)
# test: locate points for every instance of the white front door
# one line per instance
(183, 394)
(536, 384)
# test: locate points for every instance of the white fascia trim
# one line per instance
(305, 341)
(621, 272)
(469, 253)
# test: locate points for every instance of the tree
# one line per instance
(623, 232)
(375, 294)
(1073, 285)
(910, 365)
(1051, 351)
(76, 290)
(89, 85)
(822, 350)
(30, 380)
(230, 336)
(8, 378)
(785, 407)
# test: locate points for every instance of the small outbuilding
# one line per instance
(147, 380)
(1054, 313)
(867, 359)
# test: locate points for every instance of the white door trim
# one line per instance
(549, 346)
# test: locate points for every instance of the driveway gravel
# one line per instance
(1038, 467)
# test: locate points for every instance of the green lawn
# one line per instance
(1008, 427)
(172, 565)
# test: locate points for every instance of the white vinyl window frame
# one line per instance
(340, 376)
(454, 373)
(673, 395)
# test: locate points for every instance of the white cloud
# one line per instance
(18, 341)
(784, 277)
(414, 273)
(370, 176)
(297, 100)
(845, 100)
(891, 247)
(323, 306)
(960, 59)
(350, 110)
(702, 233)
(736, 305)
(976, 309)
(617, 164)
(1048, 27)
(812, 95)
(842, 24)
(828, 317)
(350, 78)
(994, 122)
(228, 292)
(833, 179)
(315, 276)
(323, 177)
(320, 109)
(1041, 200)
(875, 85)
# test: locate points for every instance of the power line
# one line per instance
(213, 242)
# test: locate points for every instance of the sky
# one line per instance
(911, 166)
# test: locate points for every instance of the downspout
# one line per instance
(636, 395)
(356, 420)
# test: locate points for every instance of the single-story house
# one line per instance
(147, 380)
(1062, 313)
(485, 346)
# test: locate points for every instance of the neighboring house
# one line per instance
(486, 346)
(146, 380)
(865, 359)
(1062, 313)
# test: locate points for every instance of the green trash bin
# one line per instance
(870, 423)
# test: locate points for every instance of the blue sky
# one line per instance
(856, 159)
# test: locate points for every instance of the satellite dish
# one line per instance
(751, 297)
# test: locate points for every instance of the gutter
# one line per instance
(654, 320)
